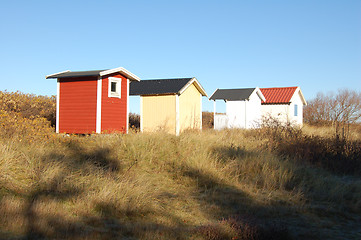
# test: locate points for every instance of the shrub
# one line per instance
(339, 110)
(29, 105)
(339, 155)
(134, 121)
(243, 228)
(207, 120)
(26, 116)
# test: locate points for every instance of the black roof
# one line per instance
(158, 86)
(232, 94)
(76, 74)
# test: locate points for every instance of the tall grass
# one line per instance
(153, 186)
(231, 184)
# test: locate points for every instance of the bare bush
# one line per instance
(339, 155)
(339, 110)
(207, 120)
(134, 121)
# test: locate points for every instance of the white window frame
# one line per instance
(117, 93)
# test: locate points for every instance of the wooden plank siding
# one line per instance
(77, 105)
(159, 113)
(190, 109)
(114, 110)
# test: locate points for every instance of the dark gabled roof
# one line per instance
(232, 94)
(69, 74)
(94, 73)
(158, 86)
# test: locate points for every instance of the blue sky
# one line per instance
(224, 44)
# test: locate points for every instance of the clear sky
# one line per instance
(224, 44)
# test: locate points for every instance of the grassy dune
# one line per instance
(200, 185)
(272, 183)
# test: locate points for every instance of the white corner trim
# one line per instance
(177, 115)
(141, 113)
(245, 114)
(298, 93)
(200, 106)
(48, 76)
(99, 106)
(127, 105)
(214, 113)
(118, 93)
(128, 74)
(203, 92)
(260, 94)
(302, 97)
(57, 106)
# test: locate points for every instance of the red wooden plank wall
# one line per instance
(114, 110)
(77, 105)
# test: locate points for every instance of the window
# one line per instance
(296, 110)
(114, 87)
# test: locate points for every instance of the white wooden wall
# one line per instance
(220, 121)
(284, 112)
(244, 114)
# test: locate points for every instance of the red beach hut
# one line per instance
(93, 101)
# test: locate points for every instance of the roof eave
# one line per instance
(122, 70)
(278, 103)
(210, 98)
(198, 86)
(156, 94)
(302, 97)
(52, 75)
(260, 94)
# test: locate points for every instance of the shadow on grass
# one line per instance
(106, 222)
(232, 152)
(246, 214)
(233, 213)
(79, 158)
(226, 205)
(338, 155)
(38, 227)
(302, 221)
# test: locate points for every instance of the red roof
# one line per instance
(278, 95)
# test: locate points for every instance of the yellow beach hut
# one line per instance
(171, 105)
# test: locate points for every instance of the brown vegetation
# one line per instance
(28, 106)
(207, 120)
(231, 184)
(340, 110)
(134, 121)
(339, 155)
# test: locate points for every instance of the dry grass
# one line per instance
(158, 186)
(231, 184)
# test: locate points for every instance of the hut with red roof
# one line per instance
(284, 104)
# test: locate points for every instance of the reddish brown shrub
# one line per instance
(207, 120)
(243, 228)
(134, 121)
(26, 116)
(336, 154)
(29, 105)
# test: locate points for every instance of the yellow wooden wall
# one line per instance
(190, 109)
(159, 113)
